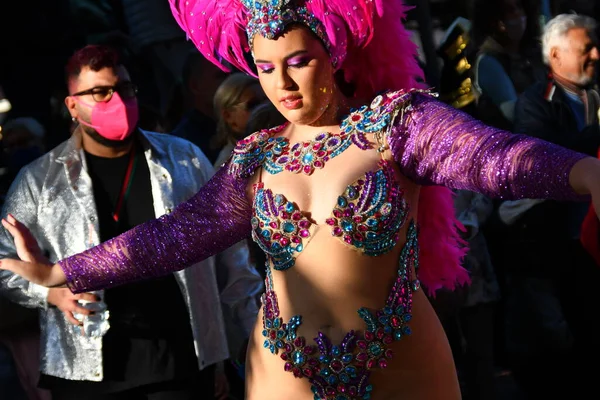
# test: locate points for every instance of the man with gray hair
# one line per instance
(557, 276)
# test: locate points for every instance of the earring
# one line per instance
(73, 119)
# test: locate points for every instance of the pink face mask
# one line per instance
(115, 119)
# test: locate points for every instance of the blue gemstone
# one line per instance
(289, 207)
(288, 227)
(298, 357)
(371, 235)
(407, 317)
(265, 333)
(280, 334)
(342, 202)
(279, 199)
(266, 233)
(351, 371)
(325, 372)
(400, 310)
(388, 310)
(407, 330)
(277, 323)
(324, 359)
(299, 248)
(372, 222)
(352, 193)
(336, 351)
(266, 344)
(346, 358)
(369, 388)
(272, 348)
(347, 225)
(332, 379)
(375, 349)
(308, 158)
(269, 324)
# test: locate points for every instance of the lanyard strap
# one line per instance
(125, 188)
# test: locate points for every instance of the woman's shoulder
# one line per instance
(377, 115)
(249, 153)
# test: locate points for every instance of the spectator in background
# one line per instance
(234, 101)
(163, 338)
(552, 338)
(198, 123)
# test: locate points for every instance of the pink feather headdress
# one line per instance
(367, 40)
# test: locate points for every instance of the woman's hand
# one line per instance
(33, 266)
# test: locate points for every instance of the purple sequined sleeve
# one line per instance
(217, 217)
(437, 144)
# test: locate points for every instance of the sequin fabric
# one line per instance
(341, 372)
(269, 18)
(432, 143)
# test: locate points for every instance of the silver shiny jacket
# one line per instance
(53, 197)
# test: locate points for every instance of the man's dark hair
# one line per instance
(95, 57)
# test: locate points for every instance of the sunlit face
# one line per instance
(577, 58)
(296, 74)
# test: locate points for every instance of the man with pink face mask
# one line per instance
(156, 340)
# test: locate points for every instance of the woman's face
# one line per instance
(296, 74)
(237, 115)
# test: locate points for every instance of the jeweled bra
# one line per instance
(367, 216)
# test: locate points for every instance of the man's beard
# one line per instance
(113, 144)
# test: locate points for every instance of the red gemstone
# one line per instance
(348, 212)
(284, 241)
(341, 388)
(363, 228)
(352, 391)
(306, 144)
(395, 321)
(321, 154)
(297, 372)
(288, 367)
(284, 356)
(316, 146)
(358, 237)
(308, 350)
(356, 117)
(304, 233)
(329, 391)
(284, 215)
(380, 333)
(388, 339)
(308, 372)
(273, 225)
(337, 213)
(305, 224)
(389, 354)
(296, 240)
(307, 169)
(357, 218)
(382, 363)
(318, 164)
(361, 344)
(299, 342)
(330, 221)
(296, 216)
(348, 239)
(272, 335)
(369, 335)
(337, 231)
(362, 356)
(371, 363)
(337, 366)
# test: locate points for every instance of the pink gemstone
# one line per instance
(304, 233)
(308, 350)
(363, 228)
(387, 339)
(306, 144)
(348, 239)
(318, 164)
(348, 213)
(371, 363)
(313, 362)
(284, 215)
(297, 373)
(296, 240)
(395, 321)
(299, 342)
(330, 391)
(316, 146)
(307, 169)
(361, 182)
(330, 221)
(284, 241)
(288, 367)
(296, 216)
(341, 388)
(284, 356)
(321, 154)
(352, 391)
(277, 236)
(389, 354)
(336, 366)
(308, 372)
(288, 348)
(380, 333)
(273, 224)
(305, 224)
(296, 154)
(357, 218)
(337, 231)
(382, 363)
(358, 237)
(361, 344)
(369, 336)
(337, 213)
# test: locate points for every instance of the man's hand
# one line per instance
(66, 302)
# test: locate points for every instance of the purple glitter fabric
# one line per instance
(437, 144)
(217, 217)
(433, 144)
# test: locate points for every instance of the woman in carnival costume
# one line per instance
(349, 200)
